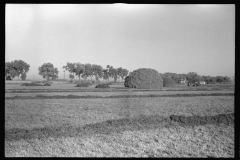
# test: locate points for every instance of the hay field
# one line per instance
(181, 126)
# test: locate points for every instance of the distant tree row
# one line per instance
(20, 68)
(90, 70)
(193, 77)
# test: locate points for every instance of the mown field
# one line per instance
(180, 122)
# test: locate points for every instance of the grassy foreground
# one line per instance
(200, 126)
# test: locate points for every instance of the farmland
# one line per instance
(59, 121)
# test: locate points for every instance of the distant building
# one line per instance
(183, 81)
(202, 82)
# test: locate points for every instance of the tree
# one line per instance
(16, 68)
(23, 76)
(88, 71)
(144, 78)
(97, 71)
(226, 79)
(55, 74)
(124, 73)
(79, 69)
(8, 68)
(173, 76)
(105, 74)
(47, 70)
(71, 76)
(168, 82)
(13, 73)
(114, 74)
(71, 68)
(182, 77)
(110, 72)
(193, 77)
(206, 78)
(119, 72)
(21, 67)
(213, 80)
(219, 79)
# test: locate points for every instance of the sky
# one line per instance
(167, 38)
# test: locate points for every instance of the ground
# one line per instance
(66, 121)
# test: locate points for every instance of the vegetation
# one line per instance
(47, 84)
(136, 127)
(102, 86)
(144, 78)
(48, 71)
(15, 69)
(83, 84)
(97, 71)
(168, 82)
(19, 68)
(31, 84)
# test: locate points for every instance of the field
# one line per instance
(66, 121)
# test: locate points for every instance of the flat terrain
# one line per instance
(47, 122)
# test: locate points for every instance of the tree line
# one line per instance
(193, 77)
(90, 70)
(19, 68)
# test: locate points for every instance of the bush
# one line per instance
(83, 85)
(102, 86)
(8, 78)
(31, 84)
(144, 78)
(168, 82)
(47, 84)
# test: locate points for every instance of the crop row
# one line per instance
(118, 96)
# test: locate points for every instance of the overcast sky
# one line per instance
(167, 38)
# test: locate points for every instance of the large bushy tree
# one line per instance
(193, 77)
(144, 78)
(48, 71)
(16, 68)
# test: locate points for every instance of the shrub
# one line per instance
(8, 78)
(83, 85)
(144, 78)
(31, 84)
(47, 84)
(168, 82)
(102, 86)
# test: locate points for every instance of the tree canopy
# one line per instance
(48, 71)
(16, 68)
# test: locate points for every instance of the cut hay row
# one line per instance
(24, 90)
(106, 94)
(118, 96)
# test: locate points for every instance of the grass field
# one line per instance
(179, 126)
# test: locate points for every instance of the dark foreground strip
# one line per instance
(118, 96)
(226, 119)
(141, 122)
(102, 90)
